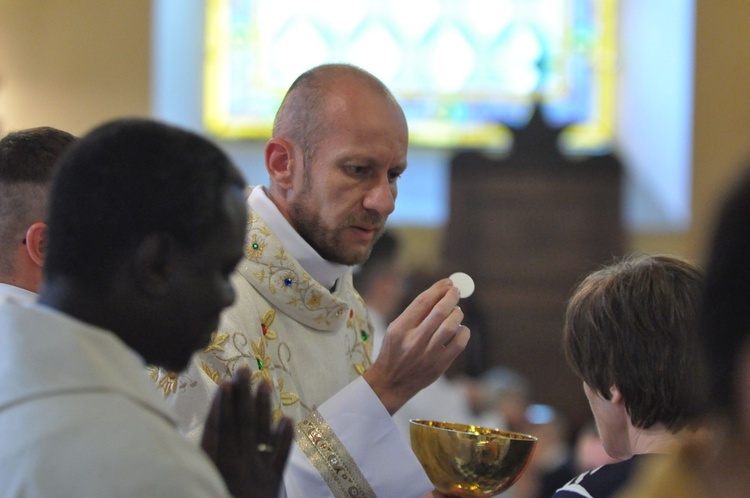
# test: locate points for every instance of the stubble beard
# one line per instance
(326, 241)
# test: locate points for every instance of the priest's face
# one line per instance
(348, 186)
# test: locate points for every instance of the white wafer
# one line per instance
(464, 283)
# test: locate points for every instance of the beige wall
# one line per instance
(722, 108)
(72, 63)
(721, 129)
(75, 63)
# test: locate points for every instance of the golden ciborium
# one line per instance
(466, 460)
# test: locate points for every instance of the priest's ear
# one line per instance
(281, 160)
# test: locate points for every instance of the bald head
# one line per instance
(300, 117)
(339, 146)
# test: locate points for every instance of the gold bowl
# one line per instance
(466, 460)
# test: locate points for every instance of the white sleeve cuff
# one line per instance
(365, 428)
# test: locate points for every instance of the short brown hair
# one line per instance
(632, 325)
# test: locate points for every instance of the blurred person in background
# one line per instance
(382, 283)
(507, 396)
(27, 160)
(718, 465)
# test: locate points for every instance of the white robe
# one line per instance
(312, 345)
(78, 418)
(16, 293)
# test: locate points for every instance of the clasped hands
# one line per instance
(248, 450)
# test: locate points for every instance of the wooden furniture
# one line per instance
(527, 228)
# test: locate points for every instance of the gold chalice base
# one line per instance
(467, 460)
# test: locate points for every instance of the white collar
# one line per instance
(322, 271)
(17, 294)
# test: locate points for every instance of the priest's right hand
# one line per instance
(419, 346)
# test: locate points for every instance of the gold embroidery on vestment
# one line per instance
(212, 374)
(217, 342)
(168, 383)
(331, 459)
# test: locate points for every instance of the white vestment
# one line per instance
(78, 418)
(16, 293)
(312, 345)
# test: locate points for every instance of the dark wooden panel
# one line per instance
(528, 227)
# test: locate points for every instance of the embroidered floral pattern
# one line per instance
(168, 383)
(281, 275)
(212, 374)
(314, 300)
(254, 249)
(153, 373)
(217, 340)
(360, 368)
(265, 324)
(266, 332)
(264, 363)
(330, 457)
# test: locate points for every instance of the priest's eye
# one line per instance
(394, 175)
(358, 170)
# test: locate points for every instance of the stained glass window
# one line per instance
(461, 69)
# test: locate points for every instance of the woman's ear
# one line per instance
(280, 162)
(36, 238)
(616, 395)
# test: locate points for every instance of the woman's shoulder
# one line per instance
(603, 481)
